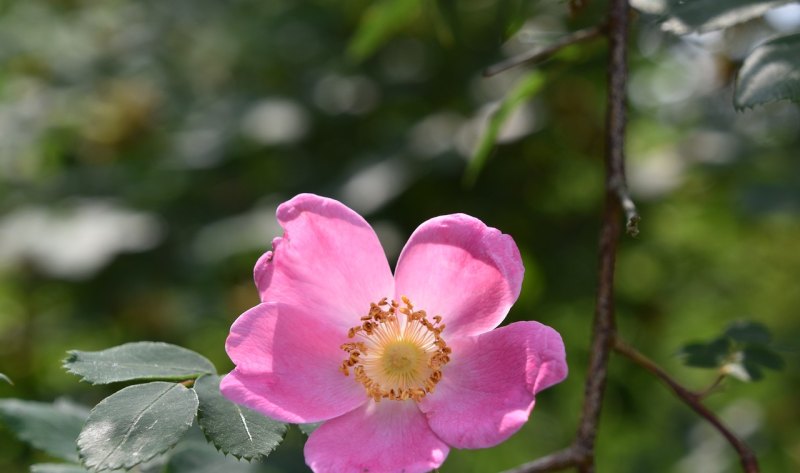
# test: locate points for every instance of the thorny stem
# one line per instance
(581, 453)
(617, 201)
(693, 400)
(540, 54)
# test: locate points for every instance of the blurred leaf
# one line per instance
(6, 379)
(748, 332)
(234, 429)
(137, 361)
(308, 428)
(771, 72)
(49, 427)
(707, 15)
(379, 23)
(763, 356)
(706, 355)
(135, 424)
(57, 468)
(194, 455)
(526, 88)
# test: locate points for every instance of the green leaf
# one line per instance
(308, 428)
(771, 72)
(748, 332)
(763, 356)
(234, 429)
(380, 22)
(706, 355)
(526, 88)
(49, 427)
(194, 454)
(700, 16)
(57, 468)
(135, 424)
(6, 379)
(137, 361)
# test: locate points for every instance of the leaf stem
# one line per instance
(542, 53)
(693, 400)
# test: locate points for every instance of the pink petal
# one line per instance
(457, 267)
(329, 261)
(287, 365)
(388, 436)
(488, 389)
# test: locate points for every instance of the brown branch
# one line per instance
(581, 453)
(693, 400)
(560, 460)
(542, 53)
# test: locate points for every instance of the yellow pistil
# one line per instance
(399, 354)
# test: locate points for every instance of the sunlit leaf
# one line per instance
(706, 355)
(526, 88)
(690, 16)
(137, 361)
(771, 72)
(5, 378)
(379, 23)
(748, 332)
(234, 429)
(49, 427)
(57, 468)
(135, 424)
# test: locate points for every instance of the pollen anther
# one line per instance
(399, 354)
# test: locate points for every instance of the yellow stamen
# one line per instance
(400, 353)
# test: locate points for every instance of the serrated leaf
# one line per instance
(135, 424)
(308, 428)
(379, 23)
(771, 72)
(706, 355)
(57, 468)
(6, 379)
(526, 88)
(748, 332)
(763, 356)
(49, 427)
(234, 429)
(194, 454)
(700, 16)
(138, 361)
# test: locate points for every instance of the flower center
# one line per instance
(399, 353)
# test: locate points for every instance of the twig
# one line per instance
(713, 387)
(554, 462)
(604, 323)
(581, 453)
(693, 400)
(539, 54)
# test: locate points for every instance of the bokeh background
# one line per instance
(144, 146)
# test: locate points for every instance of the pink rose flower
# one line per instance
(400, 368)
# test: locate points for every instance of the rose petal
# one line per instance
(287, 366)
(488, 389)
(388, 436)
(329, 261)
(457, 267)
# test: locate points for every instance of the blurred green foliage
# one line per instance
(145, 144)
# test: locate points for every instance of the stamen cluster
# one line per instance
(399, 354)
